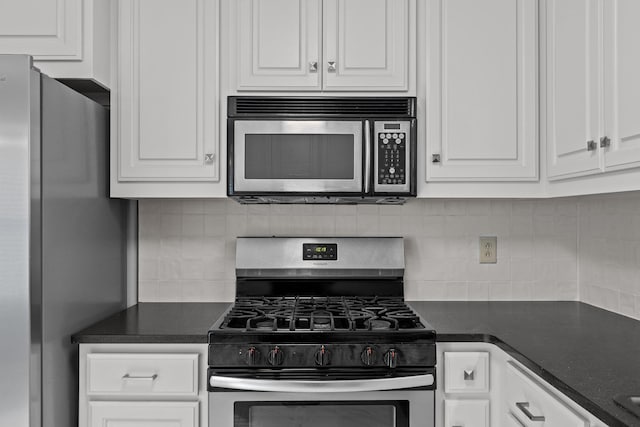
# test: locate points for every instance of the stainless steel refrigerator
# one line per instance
(62, 241)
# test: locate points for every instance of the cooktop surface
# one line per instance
(299, 313)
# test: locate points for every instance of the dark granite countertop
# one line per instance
(168, 322)
(589, 354)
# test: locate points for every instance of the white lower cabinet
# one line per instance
(466, 372)
(481, 385)
(528, 399)
(466, 413)
(512, 421)
(139, 385)
(144, 414)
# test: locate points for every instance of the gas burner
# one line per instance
(376, 324)
(321, 314)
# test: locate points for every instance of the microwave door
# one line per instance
(283, 156)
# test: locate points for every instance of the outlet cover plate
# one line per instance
(488, 249)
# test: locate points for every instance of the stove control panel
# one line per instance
(320, 251)
(321, 355)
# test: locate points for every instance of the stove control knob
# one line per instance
(252, 355)
(391, 358)
(322, 356)
(368, 356)
(275, 356)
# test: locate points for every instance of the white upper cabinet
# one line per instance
(482, 90)
(165, 105)
(593, 90)
(67, 38)
(330, 45)
(366, 44)
(279, 44)
(622, 84)
(572, 81)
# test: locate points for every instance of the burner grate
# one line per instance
(321, 314)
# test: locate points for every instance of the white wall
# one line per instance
(187, 248)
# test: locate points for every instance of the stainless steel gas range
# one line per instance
(320, 335)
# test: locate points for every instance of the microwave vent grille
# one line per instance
(249, 106)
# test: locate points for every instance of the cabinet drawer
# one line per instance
(466, 372)
(144, 414)
(133, 374)
(535, 406)
(466, 413)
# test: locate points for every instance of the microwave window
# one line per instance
(321, 414)
(299, 156)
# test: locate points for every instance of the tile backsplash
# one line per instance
(187, 247)
(609, 252)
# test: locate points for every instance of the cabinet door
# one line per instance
(466, 413)
(529, 399)
(573, 96)
(46, 29)
(482, 90)
(366, 44)
(278, 44)
(166, 91)
(143, 414)
(621, 83)
(513, 421)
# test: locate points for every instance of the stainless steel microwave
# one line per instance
(321, 149)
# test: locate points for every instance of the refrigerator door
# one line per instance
(19, 228)
(62, 245)
(83, 243)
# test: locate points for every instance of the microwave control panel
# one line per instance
(392, 156)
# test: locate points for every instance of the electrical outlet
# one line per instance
(488, 249)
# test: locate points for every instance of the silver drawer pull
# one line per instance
(331, 66)
(148, 377)
(469, 375)
(524, 407)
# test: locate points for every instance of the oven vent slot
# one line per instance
(260, 106)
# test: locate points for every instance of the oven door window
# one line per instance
(322, 414)
(298, 156)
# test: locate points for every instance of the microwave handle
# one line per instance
(367, 156)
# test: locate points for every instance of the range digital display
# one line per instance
(320, 251)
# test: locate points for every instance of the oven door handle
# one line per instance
(339, 386)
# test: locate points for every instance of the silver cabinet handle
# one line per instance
(132, 377)
(591, 145)
(332, 66)
(340, 386)
(209, 158)
(367, 156)
(435, 158)
(313, 67)
(524, 407)
(469, 375)
(605, 142)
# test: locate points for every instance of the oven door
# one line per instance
(352, 403)
(282, 156)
